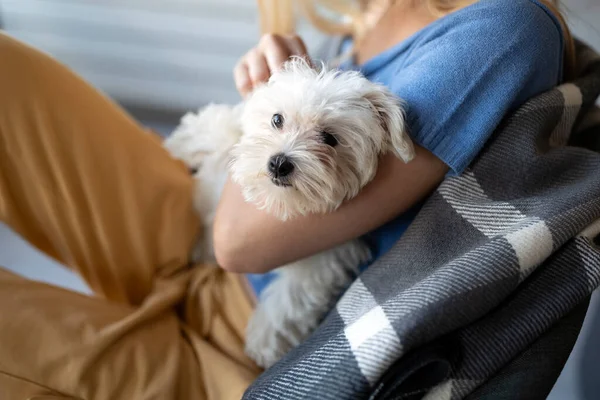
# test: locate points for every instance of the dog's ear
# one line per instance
(391, 112)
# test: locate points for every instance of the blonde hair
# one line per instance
(278, 16)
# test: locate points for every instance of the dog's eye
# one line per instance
(329, 139)
(277, 121)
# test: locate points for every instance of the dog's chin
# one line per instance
(281, 183)
(282, 199)
(287, 198)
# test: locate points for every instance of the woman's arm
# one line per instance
(249, 240)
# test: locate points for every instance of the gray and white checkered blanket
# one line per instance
(482, 287)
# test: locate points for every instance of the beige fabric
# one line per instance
(84, 183)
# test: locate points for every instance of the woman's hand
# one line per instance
(256, 66)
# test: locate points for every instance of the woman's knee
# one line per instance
(26, 71)
(17, 58)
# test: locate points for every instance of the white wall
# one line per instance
(162, 53)
(584, 18)
(166, 54)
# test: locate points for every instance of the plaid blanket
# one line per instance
(481, 296)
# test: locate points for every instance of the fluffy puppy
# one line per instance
(303, 143)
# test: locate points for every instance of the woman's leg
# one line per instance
(83, 182)
(62, 344)
(59, 344)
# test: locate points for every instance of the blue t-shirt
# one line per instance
(459, 77)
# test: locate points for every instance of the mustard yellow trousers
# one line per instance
(84, 183)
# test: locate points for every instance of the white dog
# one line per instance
(303, 143)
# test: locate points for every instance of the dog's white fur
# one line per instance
(367, 121)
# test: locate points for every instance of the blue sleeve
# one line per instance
(462, 79)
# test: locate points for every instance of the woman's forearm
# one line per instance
(250, 240)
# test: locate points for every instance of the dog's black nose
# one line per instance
(280, 165)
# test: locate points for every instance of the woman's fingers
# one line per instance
(276, 50)
(268, 57)
(258, 67)
(241, 76)
(297, 46)
(250, 71)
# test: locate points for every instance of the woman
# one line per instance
(85, 184)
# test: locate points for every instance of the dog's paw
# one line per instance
(190, 142)
(210, 132)
(265, 344)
